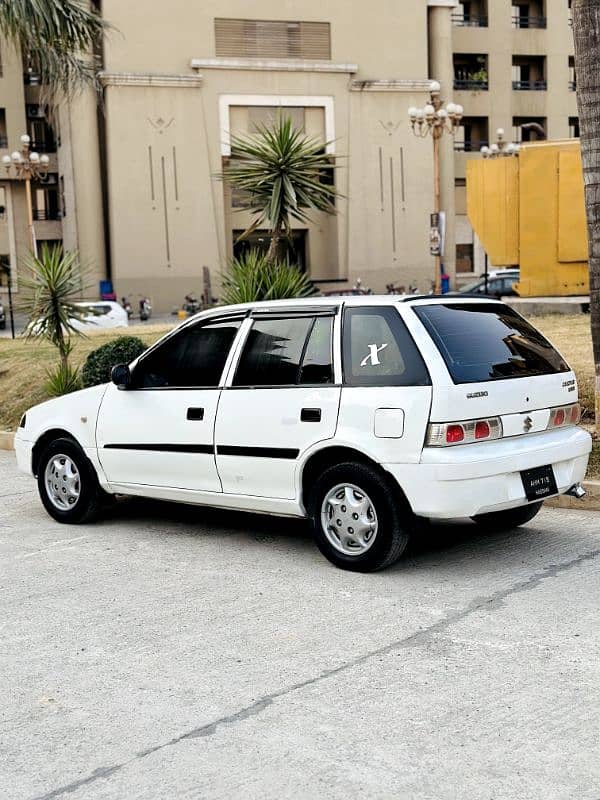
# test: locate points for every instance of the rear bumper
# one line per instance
(474, 479)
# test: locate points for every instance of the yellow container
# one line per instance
(530, 210)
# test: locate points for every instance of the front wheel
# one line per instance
(68, 484)
(509, 518)
(360, 521)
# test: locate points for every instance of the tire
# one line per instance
(384, 517)
(78, 486)
(510, 518)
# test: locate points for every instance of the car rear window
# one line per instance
(488, 341)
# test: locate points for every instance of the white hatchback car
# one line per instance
(361, 413)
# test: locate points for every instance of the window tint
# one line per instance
(379, 351)
(317, 366)
(286, 352)
(194, 357)
(483, 342)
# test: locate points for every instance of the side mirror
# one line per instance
(120, 375)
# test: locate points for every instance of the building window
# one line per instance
(3, 136)
(528, 15)
(45, 201)
(529, 73)
(471, 14)
(39, 129)
(464, 257)
(255, 38)
(471, 71)
(266, 116)
(572, 76)
(574, 127)
(291, 249)
(63, 204)
(529, 129)
(471, 135)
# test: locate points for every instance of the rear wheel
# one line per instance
(68, 484)
(360, 521)
(510, 518)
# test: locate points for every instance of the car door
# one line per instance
(280, 400)
(159, 432)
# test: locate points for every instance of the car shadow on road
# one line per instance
(429, 540)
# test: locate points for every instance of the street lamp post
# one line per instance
(500, 147)
(435, 119)
(25, 165)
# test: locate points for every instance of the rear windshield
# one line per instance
(488, 341)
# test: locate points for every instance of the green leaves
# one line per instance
(253, 277)
(60, 38)
(282, 174)
(62, 380)
(50, 294)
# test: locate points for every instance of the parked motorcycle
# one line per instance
(145, 309)
(191, 304)
(127, 306)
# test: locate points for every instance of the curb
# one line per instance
(591, 501)
(7, 439)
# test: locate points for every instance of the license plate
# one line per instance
(539, 482)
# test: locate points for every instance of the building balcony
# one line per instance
(469, 20)
(522, 22)
(45, 214)
(530, 86)
(470, 84)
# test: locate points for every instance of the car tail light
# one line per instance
(442, 434)
(563, 416)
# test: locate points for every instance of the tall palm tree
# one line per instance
(586, 33)
(282, 175)
(59, 36)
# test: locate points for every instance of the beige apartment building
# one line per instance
(135, 187)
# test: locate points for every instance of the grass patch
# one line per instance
(24, 363)
(23, 366)
(571, 335)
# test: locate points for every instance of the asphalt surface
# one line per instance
(178, 652)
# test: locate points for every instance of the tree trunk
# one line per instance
(274, 245)
(586, 33)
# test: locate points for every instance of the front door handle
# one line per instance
(195, 413)
(310, 415)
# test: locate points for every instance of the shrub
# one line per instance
(100, 362)
(252, 277)
(63, 380)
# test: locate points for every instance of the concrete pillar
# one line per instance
(441, 69)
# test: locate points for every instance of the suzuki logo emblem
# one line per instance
(527, 424)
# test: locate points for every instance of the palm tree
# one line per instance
(282, 175)
(253, 277)
(59, 37)
(586, 33)
(50, 296)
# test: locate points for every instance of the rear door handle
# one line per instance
(195, 413)
(310, 415)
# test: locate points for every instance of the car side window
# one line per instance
(286, 352)
(195, 357)
(379, 351)
(317, 364)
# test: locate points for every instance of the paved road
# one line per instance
(171, 652)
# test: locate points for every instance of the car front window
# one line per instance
(194, 357)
